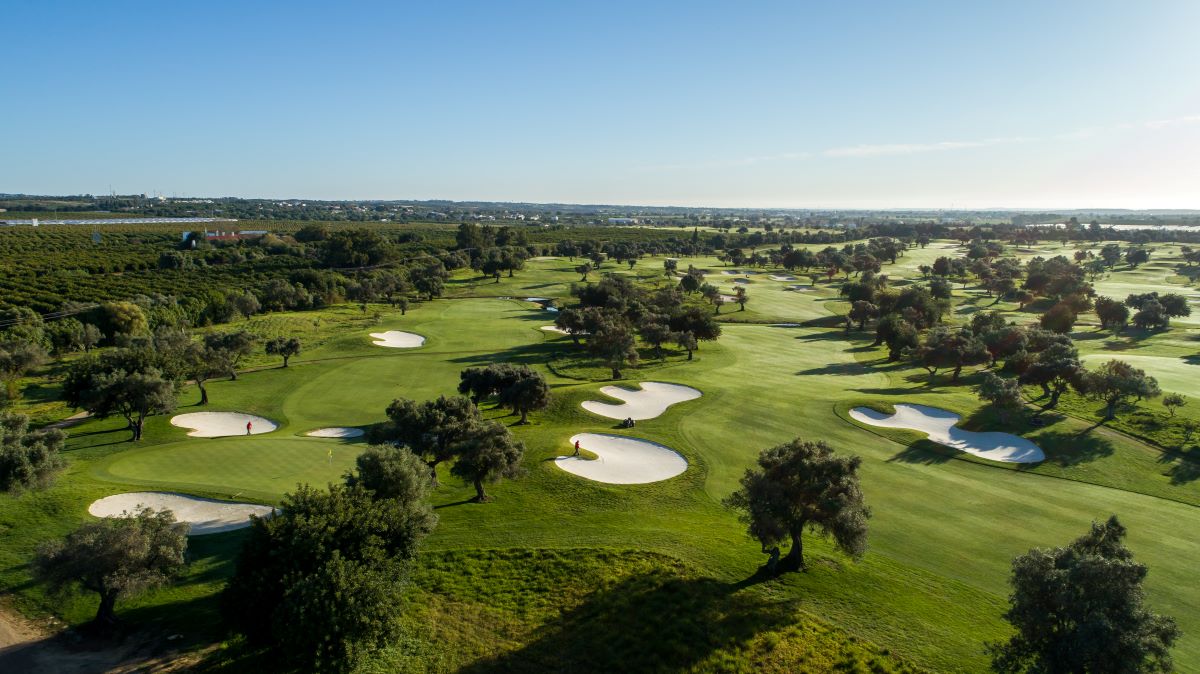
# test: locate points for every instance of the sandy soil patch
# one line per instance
(623, 460)
(940, 425)
(397, 339)
(221, 424)
(204, 515)
(555, 328)
(777, 277)
(336, 432)
(651, 401)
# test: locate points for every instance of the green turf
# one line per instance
(944, 531)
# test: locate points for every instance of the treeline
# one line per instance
(908, 321)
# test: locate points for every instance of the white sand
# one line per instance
(728, 299)
(803, 289)
(397, 339)
(203, 515)
(537, 299)
(622, 460)
(741, 280)
(221, 424)
(652, 400)
(336, 432)
(940, 425)
(776, 277)
(730, 272)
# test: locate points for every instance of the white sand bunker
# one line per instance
(336, 432)
(800, 288)
(555, 328)
(203, 515)
(623, 460)
(940, 425)
(777, 277)
(397, 339)
(741, 280)
(221, 424)
(652, 400)
(731, 272)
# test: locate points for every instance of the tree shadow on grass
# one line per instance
(541, 353)
(843, 369)
(1186, 464)
(1068, 448)
(654, 622)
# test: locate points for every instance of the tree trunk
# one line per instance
(433, 472)
(1054, 398)
(233, 374)
(616, 373)
(1110, 411)
(285, 360)
(203, 392)
(795, 556)
(524, 414)
(689, 354)
(106, 614)
(480, 497)
(137, 428)
(957, 371)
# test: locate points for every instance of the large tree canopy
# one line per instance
(319, 582)
(115, 557)
(798, 485)
(28, 459)
(1079, 609)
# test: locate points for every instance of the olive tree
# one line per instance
(28, 459)
(284, 347)
(798, 485)
(115, 557)
(430, 429)
(1003, 393)
(388, 471)
(1115, 382)
(132, 395)
(318, 583)
(486, 453)
(1079, 608)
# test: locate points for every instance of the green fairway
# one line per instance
(944, 529)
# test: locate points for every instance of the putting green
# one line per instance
(261, 468)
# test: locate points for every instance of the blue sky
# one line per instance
(799, 104)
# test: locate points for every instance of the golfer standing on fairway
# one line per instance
(576, 448)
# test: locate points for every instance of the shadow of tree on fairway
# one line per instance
(1066, 448)
(541, 352)
(1186, 466)
(656, 622)
(843, 369)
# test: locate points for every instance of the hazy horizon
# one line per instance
(1079, 105)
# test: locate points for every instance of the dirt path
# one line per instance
(32, 649)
